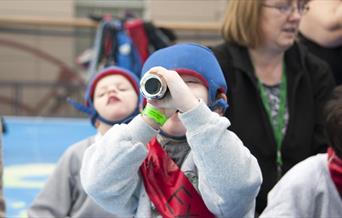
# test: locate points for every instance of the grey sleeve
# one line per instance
(55, 199)
(229, 175)
(110, 167)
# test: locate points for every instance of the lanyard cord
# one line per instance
(280, 124)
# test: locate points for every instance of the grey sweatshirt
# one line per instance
(306, 190)
(229, 176)
(63, 195)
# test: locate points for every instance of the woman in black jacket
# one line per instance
(277, 89)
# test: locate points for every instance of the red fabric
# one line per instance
(335, 168)
(136, 31)
(168, 188)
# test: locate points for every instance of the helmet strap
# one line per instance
(219, 103)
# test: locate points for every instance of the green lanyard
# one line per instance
(279, 126)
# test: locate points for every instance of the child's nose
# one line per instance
(112, 89)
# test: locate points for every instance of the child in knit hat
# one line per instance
(112, 96)
(177, 157)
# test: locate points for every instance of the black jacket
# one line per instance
(333, 56)
(309, 84)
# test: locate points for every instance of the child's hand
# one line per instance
(180, 96)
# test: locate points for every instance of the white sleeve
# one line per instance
(294, 194)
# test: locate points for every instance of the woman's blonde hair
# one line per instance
(241, 23)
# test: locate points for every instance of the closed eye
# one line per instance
(192, 81)
(123, 89)
(101, 94)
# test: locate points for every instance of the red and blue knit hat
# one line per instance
(195, 60)
(89, 94)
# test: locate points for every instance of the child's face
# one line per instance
(197, 87)
(174, 126)
(115, 97)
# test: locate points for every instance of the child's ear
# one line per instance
(220, 110)
(97, 123)
(141, 108)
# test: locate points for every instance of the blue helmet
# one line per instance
(192, 59)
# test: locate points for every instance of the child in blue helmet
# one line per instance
(177, 157)
(111, 97)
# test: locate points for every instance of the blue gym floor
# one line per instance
(31, 148)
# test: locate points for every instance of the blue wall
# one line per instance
(31, 148)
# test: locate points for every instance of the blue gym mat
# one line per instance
(31, 148)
